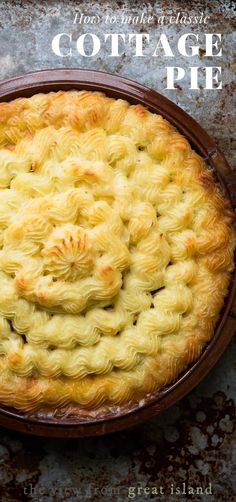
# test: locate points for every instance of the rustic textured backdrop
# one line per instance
(193, 441)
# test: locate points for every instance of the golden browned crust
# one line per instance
(116, 247)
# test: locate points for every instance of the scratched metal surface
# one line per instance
(193, 442)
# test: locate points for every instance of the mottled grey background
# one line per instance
(194, 441)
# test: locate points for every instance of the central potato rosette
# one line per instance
(68, 253)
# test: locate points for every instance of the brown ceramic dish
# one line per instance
(118, 87)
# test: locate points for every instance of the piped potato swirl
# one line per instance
(116, 248)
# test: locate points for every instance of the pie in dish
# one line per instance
(116, 247)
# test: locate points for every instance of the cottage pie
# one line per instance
(116, 247)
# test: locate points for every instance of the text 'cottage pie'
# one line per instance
(116, 248)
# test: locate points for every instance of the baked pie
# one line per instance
(116, 248)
